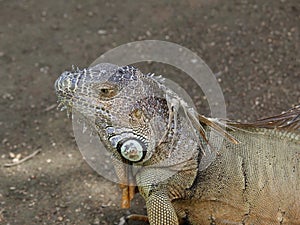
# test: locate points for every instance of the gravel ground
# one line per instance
(253, 46)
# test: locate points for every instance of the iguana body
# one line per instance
(254, 182)
(162, 145)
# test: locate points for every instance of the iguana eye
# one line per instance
(104, 90)
(107, 92)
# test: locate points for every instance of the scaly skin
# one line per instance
(254, 182)
(254, 178)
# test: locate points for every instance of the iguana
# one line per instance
(176, 157)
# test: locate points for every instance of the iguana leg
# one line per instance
(160, 209)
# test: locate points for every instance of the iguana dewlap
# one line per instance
(159, 143)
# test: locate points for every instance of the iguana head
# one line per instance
(140, 120)
(116, 101)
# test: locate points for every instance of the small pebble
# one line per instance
(102, 32)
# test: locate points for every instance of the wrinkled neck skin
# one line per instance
(173, 160)
(177, 155)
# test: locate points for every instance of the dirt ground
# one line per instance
(253, 46)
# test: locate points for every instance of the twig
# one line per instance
(23, 160)
(122, 221)
(49, 108)
(1, 215)
(218, 74)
